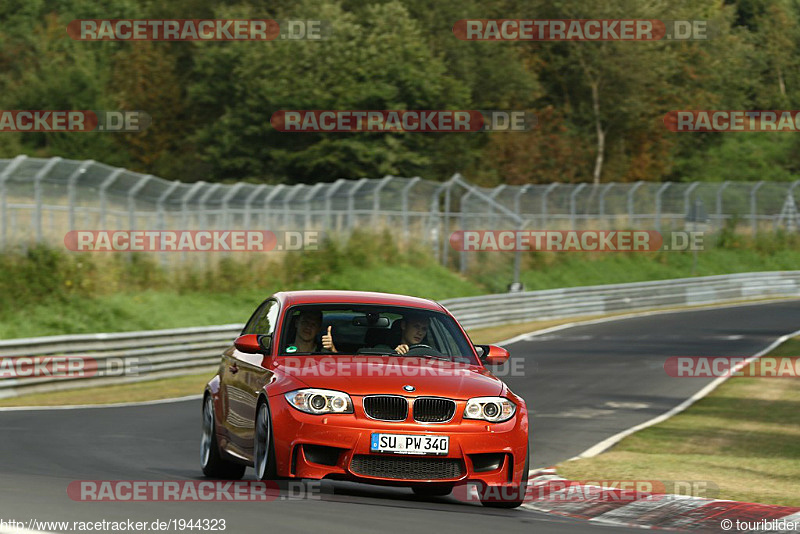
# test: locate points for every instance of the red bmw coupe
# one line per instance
(370, 387)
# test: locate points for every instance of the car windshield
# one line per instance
(374, 330)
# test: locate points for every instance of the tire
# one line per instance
(211, 461)
(522, 488)
(432, 491)
(263, 445)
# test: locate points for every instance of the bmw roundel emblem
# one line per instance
(409, 388)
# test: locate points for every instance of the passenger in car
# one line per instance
(309, 323)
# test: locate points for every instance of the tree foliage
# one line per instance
(600, 104)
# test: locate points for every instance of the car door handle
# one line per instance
(233, 369)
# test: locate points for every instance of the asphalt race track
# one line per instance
(582, 384)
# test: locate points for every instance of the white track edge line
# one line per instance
(613, 440)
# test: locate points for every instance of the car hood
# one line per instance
(370, 375)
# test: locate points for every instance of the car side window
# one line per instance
(264, 320)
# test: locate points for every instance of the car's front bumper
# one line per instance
(338, 446)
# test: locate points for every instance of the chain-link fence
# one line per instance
(42, 199)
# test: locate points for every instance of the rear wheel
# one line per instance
(432, 491)
(212, 462)
(517, 496)
(263, 448)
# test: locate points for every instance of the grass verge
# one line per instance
(165, 388)
(744, 437)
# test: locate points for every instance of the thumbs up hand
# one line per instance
(327, 341)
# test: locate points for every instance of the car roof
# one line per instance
(320, 296)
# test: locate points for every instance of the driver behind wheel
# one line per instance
(414, 328)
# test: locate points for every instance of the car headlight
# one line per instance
(492, 409)
(320, 401)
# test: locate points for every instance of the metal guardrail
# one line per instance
(493, 310)
(134, 356)
(107, 359)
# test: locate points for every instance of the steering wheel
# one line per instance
(421, 349)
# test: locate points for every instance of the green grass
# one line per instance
(744, 437)
(166, 388)
(150, 310)
(47, 291)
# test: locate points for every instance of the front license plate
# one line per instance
(410, 444)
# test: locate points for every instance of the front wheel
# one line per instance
(212, 462)
(263, 448)
(517, 494)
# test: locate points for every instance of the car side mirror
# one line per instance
(253, 343)
(492, 354)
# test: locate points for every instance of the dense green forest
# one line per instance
(599, 104)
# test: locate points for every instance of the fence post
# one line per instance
(791, 225)
(572, 206)
(753, 203)
(268, 204)
(327, 216)
(493, 195)
(436, 220)
(351, 206)
(203, 200)
(131, 199)
(521, 191)
(463, 253)
(376, 197)
(16, 162)
(226, 218)
(103, 198)
(288, 198)
(185, 203)
(444, 242)
(725, 184)
(544, 203)
(71, 193)
(631, 191)
(160, 223)
(37, 193)
(661, 189)
(307, 202)
(248, 204)
(602, 210)
(406, 190)
(686, 196)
